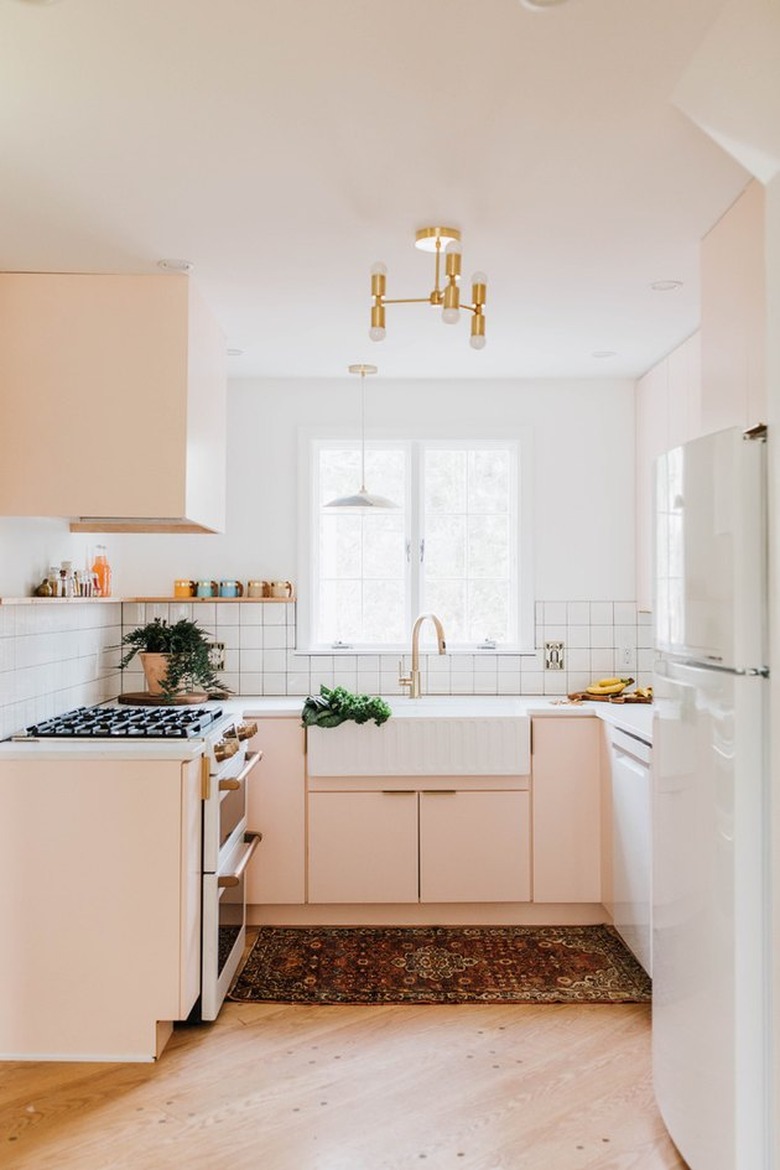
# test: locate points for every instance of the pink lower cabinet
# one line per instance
(419, 840)
(566, 784)
(474, 846)
(100, 867)
(276, 807)
(363, 846)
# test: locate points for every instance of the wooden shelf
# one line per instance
(206, 600)
(157, 600)
(61, 600)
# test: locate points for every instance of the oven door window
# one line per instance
(230, 924)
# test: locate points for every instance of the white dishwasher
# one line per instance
(630, 760)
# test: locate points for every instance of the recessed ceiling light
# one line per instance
(539, 5)
(666, 285)
(234, 352)
(40, 2)
(175, 265)
(604, 353)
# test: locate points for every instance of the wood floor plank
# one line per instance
(484, 1087)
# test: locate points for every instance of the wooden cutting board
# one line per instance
(144, 699)
(583, 696)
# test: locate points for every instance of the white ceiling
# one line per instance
(282, 146)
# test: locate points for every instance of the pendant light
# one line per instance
(362, 498)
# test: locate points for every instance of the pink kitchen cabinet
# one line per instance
(102, 899)
(474, 846)
(116, 387)
(363, 847)
(419, 839)
(566, 785)
(276, 807)
(733, 316)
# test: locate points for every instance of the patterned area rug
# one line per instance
(440, 964)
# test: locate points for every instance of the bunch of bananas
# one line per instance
(609, 686)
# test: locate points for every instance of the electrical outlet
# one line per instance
(626, 656)
(217, 655)
(553, 656)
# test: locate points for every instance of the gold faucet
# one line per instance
(412, 679)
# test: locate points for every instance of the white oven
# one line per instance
(228, 846)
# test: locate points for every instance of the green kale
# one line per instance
(332, 707)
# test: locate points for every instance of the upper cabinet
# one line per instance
(733, 316)
(114, 393)
(668, 413)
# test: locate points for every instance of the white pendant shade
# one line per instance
(361, 499)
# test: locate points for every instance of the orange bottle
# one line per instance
(102, 571)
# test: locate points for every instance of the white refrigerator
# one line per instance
(710, 1030)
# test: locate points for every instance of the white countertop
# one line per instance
(636, 719)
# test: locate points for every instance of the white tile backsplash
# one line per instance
(59, 656)
(54, 657)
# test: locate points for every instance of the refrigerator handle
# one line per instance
(758, 431)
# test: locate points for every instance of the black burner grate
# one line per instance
(127, 723)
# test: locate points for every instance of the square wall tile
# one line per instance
(250, 637)
(274, 637)
(578, 637)
(274, 614)
(625, 613)
(250, 615)
(227, 613)
(602, 637)
(555, 613)
(533, 682)
(578, 613)
(601, 613)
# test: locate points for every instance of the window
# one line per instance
(452, 546)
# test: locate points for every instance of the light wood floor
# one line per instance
(273, 1087)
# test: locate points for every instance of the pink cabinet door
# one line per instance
(363, 847)
(566, 787)
(276, 807)
(474, 846)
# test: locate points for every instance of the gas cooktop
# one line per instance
(126, 723)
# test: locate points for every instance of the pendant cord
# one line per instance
(362, 431)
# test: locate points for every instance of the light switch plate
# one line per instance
(553, 656)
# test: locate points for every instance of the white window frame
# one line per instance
(310, 440)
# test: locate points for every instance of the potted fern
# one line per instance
(176, 659)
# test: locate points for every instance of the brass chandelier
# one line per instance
(433, 239)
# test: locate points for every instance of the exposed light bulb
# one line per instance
(450, 316)
(477, 341)
(376, 333)
(453, 246)
(479, 278)
(379, 269)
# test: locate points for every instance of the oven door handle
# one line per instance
(252, 761)
(251, 840)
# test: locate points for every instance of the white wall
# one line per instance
(29, 546)
(583, 477)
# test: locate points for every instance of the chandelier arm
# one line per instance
(407, 301)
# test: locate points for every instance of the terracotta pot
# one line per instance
(155, 668)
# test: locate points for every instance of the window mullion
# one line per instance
(417, 529)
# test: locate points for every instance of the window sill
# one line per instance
(425, 651)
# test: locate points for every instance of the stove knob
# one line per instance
(246, 730)
(223, 750)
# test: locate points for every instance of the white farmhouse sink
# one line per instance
(436, 735)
